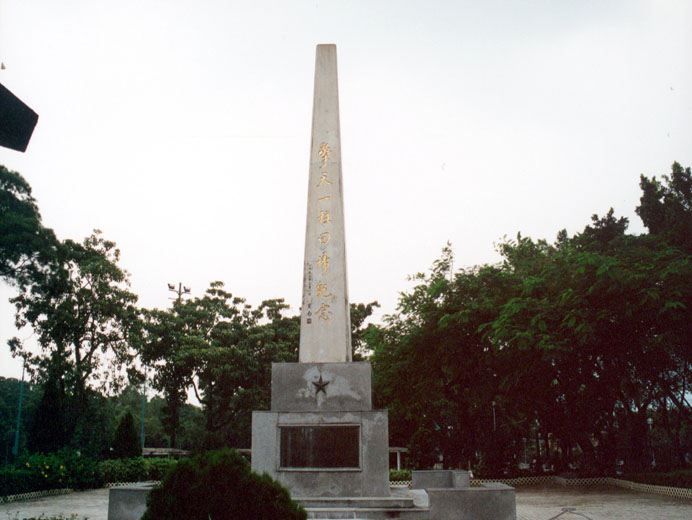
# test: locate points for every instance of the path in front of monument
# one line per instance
(598, 504)
(532, 504)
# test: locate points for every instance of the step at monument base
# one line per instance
(327, 513)
(362, 508)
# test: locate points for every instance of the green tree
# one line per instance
(360, 312)
(26, 246)
(49, 428)
(435, 370)
(9, 401)
(576, 341)
(84, 316)
(666, 207)
(126, 442)
(222, 348)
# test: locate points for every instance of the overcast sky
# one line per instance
(182, 129)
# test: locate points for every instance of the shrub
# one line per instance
(126, 441)
(82, 472)
(39, 472)
(136, 469)
(218, 485)
(156, 469)
(399, 474)
(15, 480)
(123, 470)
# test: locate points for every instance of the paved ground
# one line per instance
(599, 504)
(91, 504)
(532, 504)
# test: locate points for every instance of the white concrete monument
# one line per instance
(325, 324)
(321, 436)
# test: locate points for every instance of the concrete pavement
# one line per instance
(92, 504)
(599, 504)
(532, 504)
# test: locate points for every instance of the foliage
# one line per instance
(14, 481)
(84, 318)
(64, 469)
(42, 426)
(399, 475)
(219, 485)
(76, 299)
(578, 343)
(434, 369)
(137, 469)
(59, 422)
(666, 207)
(26, 246)
(360, 312)
(126, 443)
(83, 314)
(223, 349)
(49, 428)
(9, 401)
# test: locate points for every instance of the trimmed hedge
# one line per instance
(64, 469)
(399, 474)
(137, 469)
(14, 481)
(219, 485)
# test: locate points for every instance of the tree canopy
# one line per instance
(221, 348)
(579, 341)
(565, 348)
(26, 246)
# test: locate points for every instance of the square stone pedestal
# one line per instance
(321, 437)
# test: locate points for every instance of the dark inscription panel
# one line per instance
(320, 446)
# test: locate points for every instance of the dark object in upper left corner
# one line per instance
(17, 121)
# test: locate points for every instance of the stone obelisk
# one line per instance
(321, 437)
(325, 325)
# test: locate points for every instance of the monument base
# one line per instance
(321, 437)
(450, 496)
(346, 452)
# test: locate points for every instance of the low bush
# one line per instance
(40, 472)
(136, 469)
(15, 480)
(399, 474)
(219, 485)
(681, 478)
(64, 469)
(82, 472)
(157, 468)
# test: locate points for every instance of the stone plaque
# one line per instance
(319, 447)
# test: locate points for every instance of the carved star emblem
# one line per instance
(320, 386)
